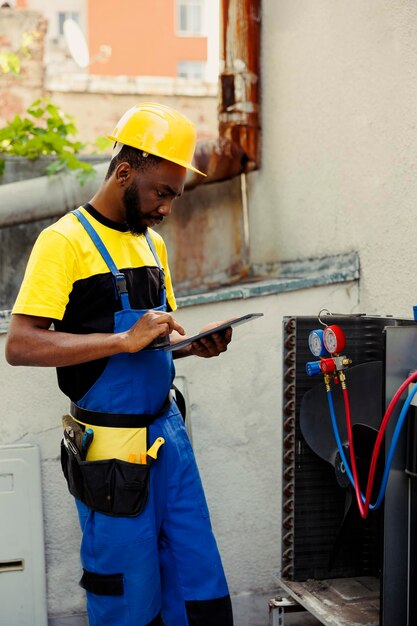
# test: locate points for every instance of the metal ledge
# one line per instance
(339, 601)
(282, 277)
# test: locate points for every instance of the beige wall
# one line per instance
(339, 93)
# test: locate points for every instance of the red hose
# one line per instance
(364, 506)
(363, 512)
(381, 434)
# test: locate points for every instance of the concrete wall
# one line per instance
(339, 165)
(235, 408)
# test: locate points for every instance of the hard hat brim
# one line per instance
(185, 164)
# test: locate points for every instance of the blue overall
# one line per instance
(165, 560)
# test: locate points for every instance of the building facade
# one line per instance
(165, 38)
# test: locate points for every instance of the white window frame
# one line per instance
(73, 15)
(202, 65)
(189, 4)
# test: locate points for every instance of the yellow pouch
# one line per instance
(116, 443)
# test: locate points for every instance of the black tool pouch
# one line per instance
(110, 486)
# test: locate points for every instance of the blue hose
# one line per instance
(391, 451)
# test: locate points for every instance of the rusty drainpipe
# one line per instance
(236, 150)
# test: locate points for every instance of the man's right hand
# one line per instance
(151, 325)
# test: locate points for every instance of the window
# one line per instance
(194, 70)
(66, 15)
(190, 17)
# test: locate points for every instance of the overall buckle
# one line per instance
(120, 283)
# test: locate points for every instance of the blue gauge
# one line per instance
(316, 344)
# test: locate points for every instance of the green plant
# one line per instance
(45, 130)
(10, 62)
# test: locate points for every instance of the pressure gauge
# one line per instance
(315, 343)
(334, 339)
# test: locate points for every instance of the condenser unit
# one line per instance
(334, 563)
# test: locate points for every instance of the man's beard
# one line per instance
(134, 215)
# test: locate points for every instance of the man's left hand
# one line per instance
(211, 345)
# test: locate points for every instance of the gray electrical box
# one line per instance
(22, 555)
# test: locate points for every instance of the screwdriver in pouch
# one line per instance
(86, 442)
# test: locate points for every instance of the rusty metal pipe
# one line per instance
(52, 196)
(45, 197)
(219, 159)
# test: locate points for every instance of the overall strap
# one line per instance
(119, 277)
(163, 296)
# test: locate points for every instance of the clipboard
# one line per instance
(230, 324)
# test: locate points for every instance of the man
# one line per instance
(100, 276)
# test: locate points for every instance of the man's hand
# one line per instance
(211, 345)
(151, 325)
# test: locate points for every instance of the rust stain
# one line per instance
(220, 159)
(191, 250)
(204, 237)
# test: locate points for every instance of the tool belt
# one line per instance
(111, 486)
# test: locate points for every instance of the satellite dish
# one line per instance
(76, 43)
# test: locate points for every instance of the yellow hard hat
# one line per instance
(159, 130)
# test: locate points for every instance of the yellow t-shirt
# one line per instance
(68, 281)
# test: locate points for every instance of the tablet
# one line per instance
(234, 322)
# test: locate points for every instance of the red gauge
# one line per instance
(334, 339)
